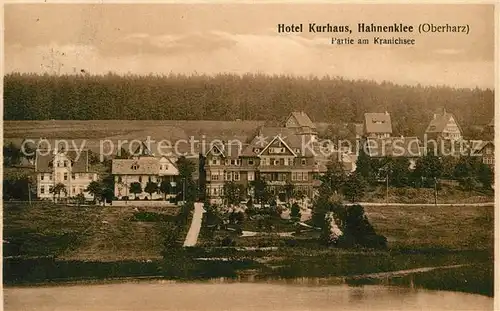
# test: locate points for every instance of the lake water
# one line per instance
(220, 295)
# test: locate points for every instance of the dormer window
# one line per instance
(256, 150)
(135, 167)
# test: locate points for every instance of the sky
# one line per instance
(241, 38)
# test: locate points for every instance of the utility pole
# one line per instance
(387, 186)
(29, 190)
(184, 190)
(435, 191)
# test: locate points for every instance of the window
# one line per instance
(42, 189)
(250, 162)
(228, 176)
(140, 178)
(214, 162)
(251, 176)
(73, 176)
(282, 161)
(304, 176)
(303, 161)
(277, 150)
(65, 176)
(149, 178)
(41, 176)
(236, 176)
(256, 150)
(488, 150)
(90, 176)
(50, 176)
(119, 179)
(50, 189)
(73, 190)
(65, 163)
(214, 177)
(135, 167)
(294, 176)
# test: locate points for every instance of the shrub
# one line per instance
(125, 198)
(227, 241)
(295, 210)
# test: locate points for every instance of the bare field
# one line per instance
(128, 129)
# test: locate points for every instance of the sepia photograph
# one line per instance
(248, 156)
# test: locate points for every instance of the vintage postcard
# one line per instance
(248, 156)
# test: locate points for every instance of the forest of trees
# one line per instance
(230, 97)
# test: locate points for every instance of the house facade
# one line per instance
(301, 123)
(444, 126)
(68, 167)
(487, 153)
(274, 155)
(144, 169)
(377, 125)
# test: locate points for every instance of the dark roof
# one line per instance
(439, 122)
(302, 119)
(477, 147)
(394, 147)
(376, 122)
(45, 157)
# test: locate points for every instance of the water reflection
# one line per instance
(228, 294)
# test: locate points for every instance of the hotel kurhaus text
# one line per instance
(395, 28)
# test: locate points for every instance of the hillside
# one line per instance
(230, 97)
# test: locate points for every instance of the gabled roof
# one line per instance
(302, 119)
(143, 150)
(394, 147)
(230, 150)
(141, 165)
(265, 135)
(477, 147)
(376, 122)
(278, 137)
(45, 157)
(439, 122)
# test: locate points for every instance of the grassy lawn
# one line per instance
(447, 194)
(457, 228)
(83, 233)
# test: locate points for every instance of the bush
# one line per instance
(227, 241)
(374, 241)
(125, 198)
(295, 210)
(346, 241)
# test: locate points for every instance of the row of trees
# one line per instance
(469, 171)
(229, 97)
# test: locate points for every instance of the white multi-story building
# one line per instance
(144, 169)
(68, 167)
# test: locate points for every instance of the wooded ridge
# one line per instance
(231, 97)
